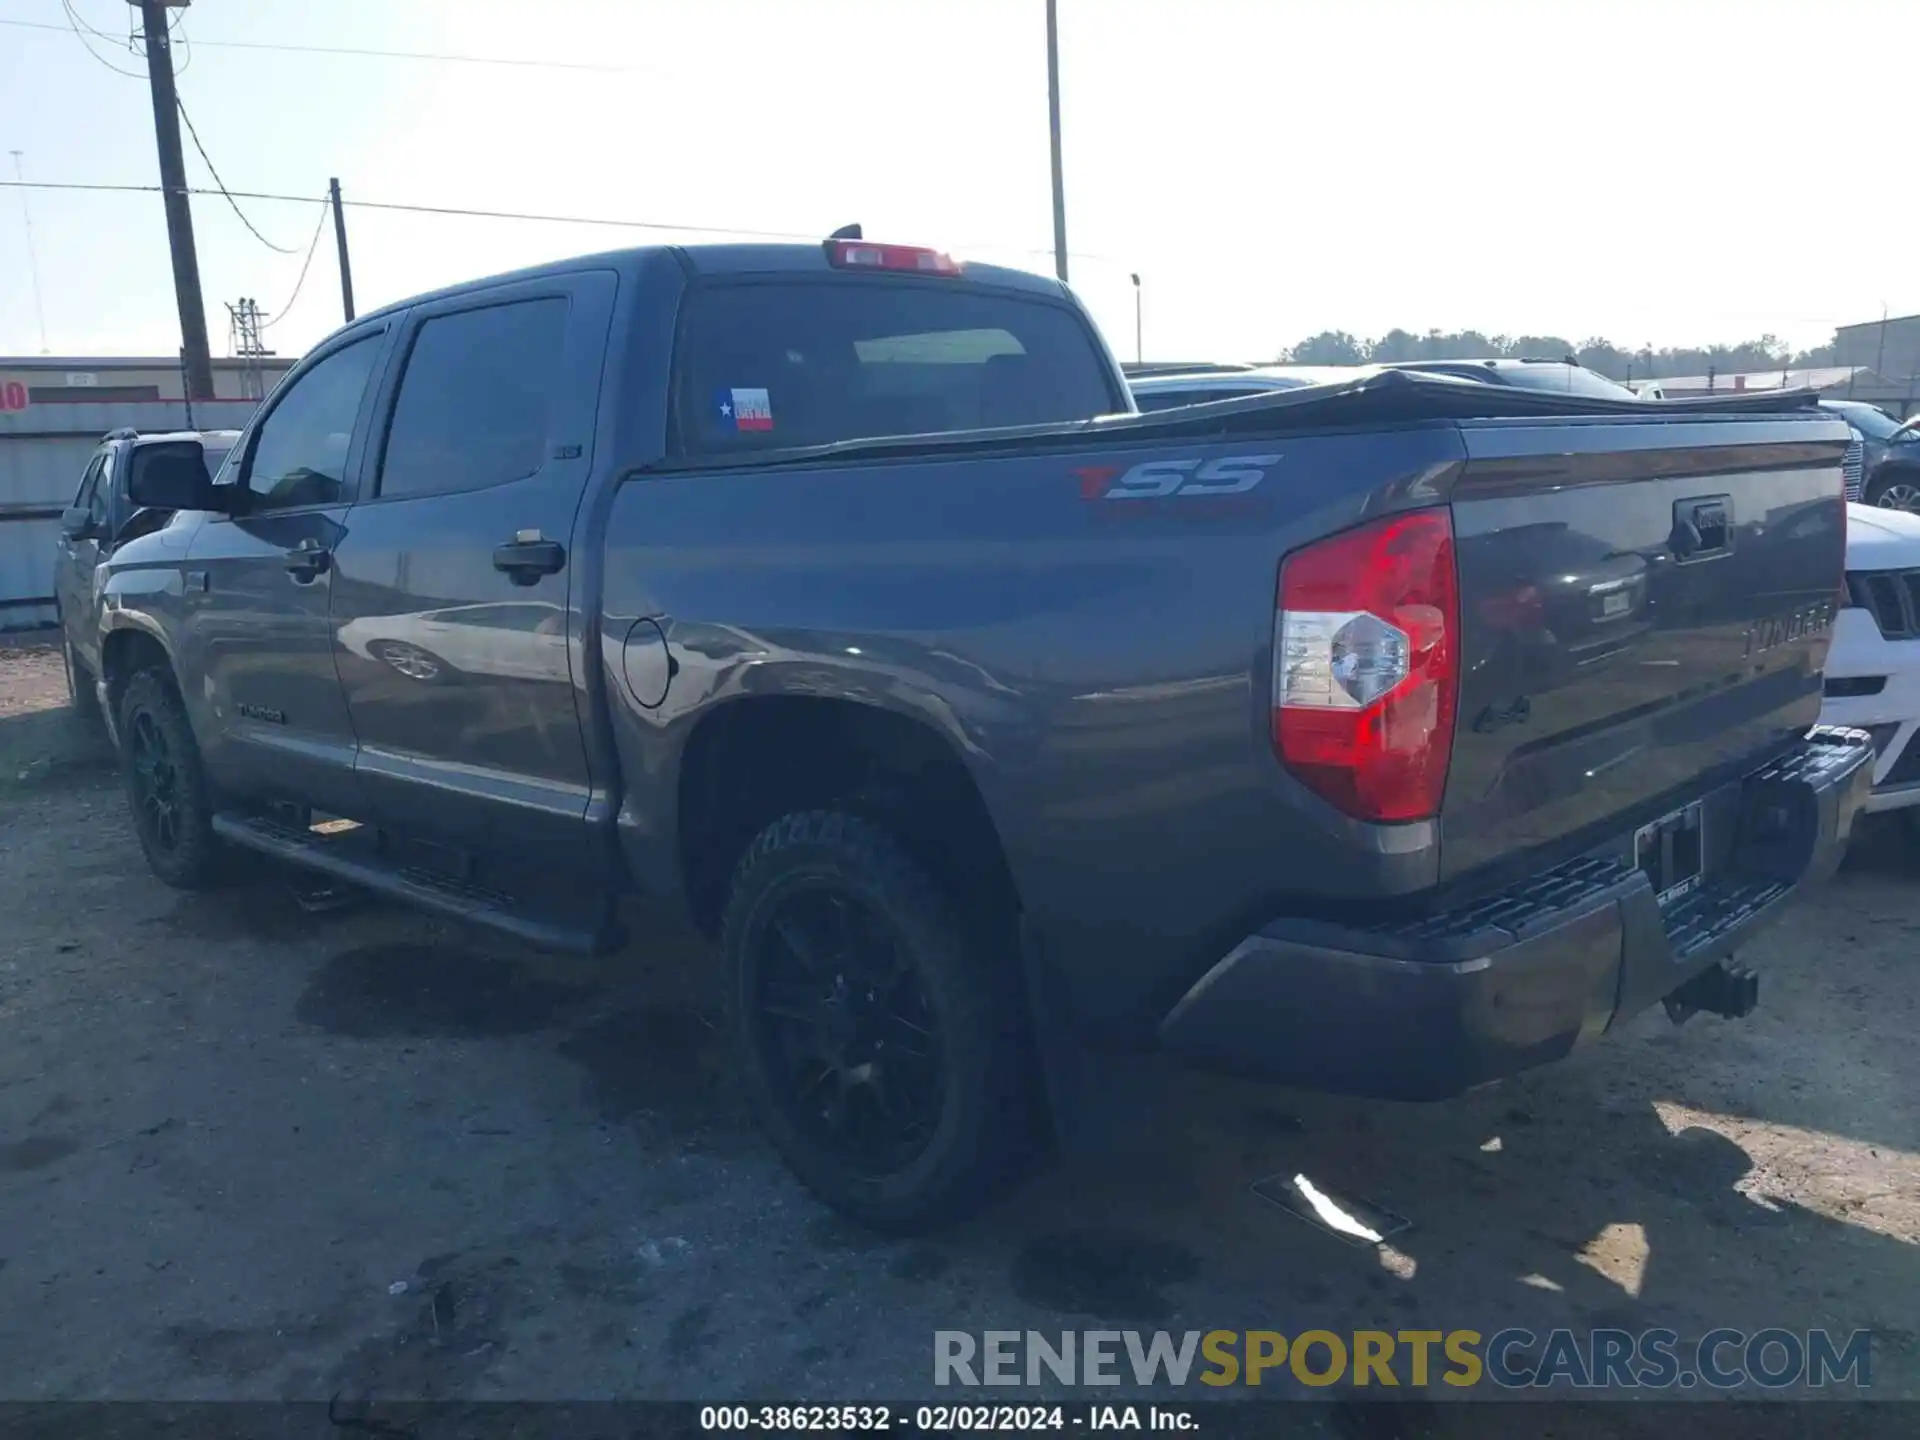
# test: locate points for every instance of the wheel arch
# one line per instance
(752, 759)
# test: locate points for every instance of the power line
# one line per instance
(195, 134)
(80, 22)
(305, 265)
(80, 28)
(603, 221)
(429, 55)
(395, 205)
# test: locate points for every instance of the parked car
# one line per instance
(1556, 375)
(1889, 455)
(101, 518)
(1198, 387)
(991, 733)
(1873, 668)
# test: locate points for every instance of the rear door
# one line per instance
(1644, 604)
(458, 586)
(257, 634)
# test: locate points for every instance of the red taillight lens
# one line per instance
(865, 255)
(1366, 661)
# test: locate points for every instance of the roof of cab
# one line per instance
(150, 437)
(761, 259)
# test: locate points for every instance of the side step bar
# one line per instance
(349, 858)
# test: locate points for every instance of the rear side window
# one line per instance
(771, 365)
(472, 408)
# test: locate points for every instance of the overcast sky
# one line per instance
(1666, 173)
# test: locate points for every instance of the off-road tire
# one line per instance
(985, 1116)
(185, 853)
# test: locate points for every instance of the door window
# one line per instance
(473, 403)
(300, 450)
(89, 482)
(101, 493)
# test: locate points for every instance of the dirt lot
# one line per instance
(252, 1152)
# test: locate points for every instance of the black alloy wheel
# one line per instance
(847, 1022)
(155, 783)
(882, 1046)
(166, 788)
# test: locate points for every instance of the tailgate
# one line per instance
(1644, 603)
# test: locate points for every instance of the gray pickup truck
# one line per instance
(1389, 736)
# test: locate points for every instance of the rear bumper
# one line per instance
(1425, 1010)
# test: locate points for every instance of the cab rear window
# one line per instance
(769, 365)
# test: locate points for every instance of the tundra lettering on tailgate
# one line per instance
(1158, 479)
(1778, 630)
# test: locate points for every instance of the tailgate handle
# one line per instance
(1702, 527)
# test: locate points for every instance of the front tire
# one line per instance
(880, 1049)
(167, 785)
(1898, 491)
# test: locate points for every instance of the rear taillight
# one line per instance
(1366, 665)
(866, 255)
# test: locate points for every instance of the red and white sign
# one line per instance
(13, 397)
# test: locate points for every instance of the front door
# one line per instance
(75, 561)
(269, 710)
(455, 591)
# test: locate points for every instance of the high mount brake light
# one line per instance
(865, 255)
(1366, 666)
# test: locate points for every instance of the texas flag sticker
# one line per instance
(746, 409)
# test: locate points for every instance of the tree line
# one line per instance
(1769, 352)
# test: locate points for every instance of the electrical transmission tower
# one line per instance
(243, 341)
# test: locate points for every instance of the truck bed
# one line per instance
(1087, 613)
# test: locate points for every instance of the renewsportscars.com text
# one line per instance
(1591, 1360)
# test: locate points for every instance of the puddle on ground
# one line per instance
(1106, 1274)
(263, 908)
(35, 1152)
(427, 990)
(664, 1061)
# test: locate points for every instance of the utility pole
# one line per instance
(1053, 116)
(340, 240)
(173, 185)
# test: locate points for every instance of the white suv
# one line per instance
(1873, 667)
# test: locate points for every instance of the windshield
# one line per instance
(1565, 380)
(1153, 397)
(1870, 420)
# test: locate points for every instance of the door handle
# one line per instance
(308, 561)
(527, 557)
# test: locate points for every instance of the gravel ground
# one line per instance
(250, 1152)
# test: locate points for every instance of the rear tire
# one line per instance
(837, 946)
(167, 786)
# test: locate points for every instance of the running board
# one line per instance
(347, 856)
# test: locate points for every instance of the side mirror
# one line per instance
(76, 523)
(171, 475)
